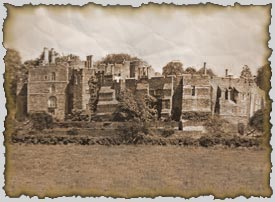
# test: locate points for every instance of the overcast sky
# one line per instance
(221, 37)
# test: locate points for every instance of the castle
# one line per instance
(60, 87)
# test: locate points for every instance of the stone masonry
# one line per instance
(59, 88)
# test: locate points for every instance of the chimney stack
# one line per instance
(204, 68)
(89, 61)
(46, 56)
(226, 72)
(52, 56)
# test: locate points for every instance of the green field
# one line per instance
(130, 171)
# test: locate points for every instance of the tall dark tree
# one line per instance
(94, 87)
(246, 72)
(172, 68)
(263, 77)
(13, 65)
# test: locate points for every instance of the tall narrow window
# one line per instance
(193, 90)
(226, 94)
(53, 76)
(52, 102)
(76, 80)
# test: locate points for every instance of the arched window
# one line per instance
(52, 102)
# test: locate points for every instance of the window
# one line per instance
(53, 76)
(46, 77)
(226, 94)
(193, 90)
(52, 102)
(167, 104)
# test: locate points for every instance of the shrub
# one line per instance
(72, 132)
(41, 120)
(131, 134)
(196, 116)
(167, 132)
(257, 120)
(216, 126)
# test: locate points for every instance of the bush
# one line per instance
(167, 132)
(72, 132)
(196, 116)
(131, 134)
(41, 120)
(217, 126)
(257, 120)
(78, 115)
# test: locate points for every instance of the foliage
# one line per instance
(217, 126)
(263, 77)
(246, 72)
(131, 134)
(131, 107)
(172, 68)
(78, 115)
(208, 72)
(94, 87)
(12, 61)
(118, 58)
(41, 120)
(72, 132)
(195, 116)
(127, 108)
(147, 107)
(257, 120)
(190, 70)
(167, 132)
(68, 58)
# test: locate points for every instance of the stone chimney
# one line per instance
(204, 68)
(46, 56)
(52, 56)
(89, 63)
(226, 72)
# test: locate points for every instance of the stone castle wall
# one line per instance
(47, 82)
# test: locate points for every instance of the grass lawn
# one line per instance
(130, 171)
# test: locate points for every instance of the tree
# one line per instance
(127, 108)
(208, 72)
(147, 107)
(246, 72)
(131, 107)
(94, 87)
(172, 68)
(257, 120)
(117, 58)
(263, 77)
(12, 61)
(190, 70)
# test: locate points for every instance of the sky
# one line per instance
(223, 37)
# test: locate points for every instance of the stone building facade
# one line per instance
(61, 87)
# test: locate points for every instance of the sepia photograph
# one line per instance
(122, 101)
